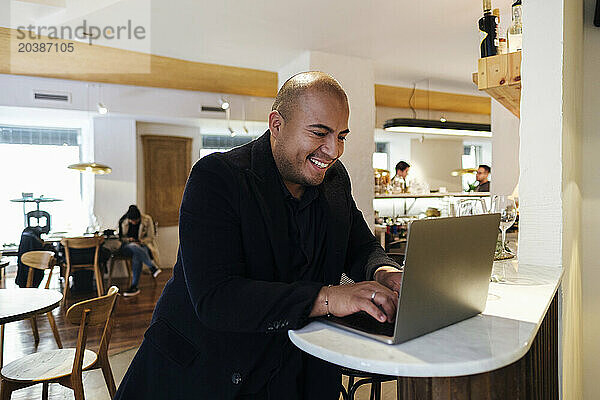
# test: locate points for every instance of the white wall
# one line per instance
(114, 145)
(550, 166)
(505, 150)
(432, 160)
(590, 231)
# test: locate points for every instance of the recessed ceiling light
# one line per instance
(102, 109)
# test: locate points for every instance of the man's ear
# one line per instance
(275, 123)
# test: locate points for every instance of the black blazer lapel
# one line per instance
(338, 226)
(265, 184)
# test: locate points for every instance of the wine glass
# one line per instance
(507, 209)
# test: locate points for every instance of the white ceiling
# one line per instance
(433, 43)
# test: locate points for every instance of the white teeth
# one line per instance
(318, 163)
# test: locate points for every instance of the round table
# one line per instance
(20, 304)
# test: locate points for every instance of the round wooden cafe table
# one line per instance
(20, 304)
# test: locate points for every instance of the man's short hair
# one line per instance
(486, 167)
(286, 102)
(402, 165)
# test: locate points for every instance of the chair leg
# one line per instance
(66, 291)
(45, 390)
(108, 377)
(1, 345)
(6, 389)
(54, 329)
(77, 386)
(129, 270)
(110, 264)
(34, 329)
(99, 279)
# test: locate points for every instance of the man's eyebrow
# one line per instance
(328, 129)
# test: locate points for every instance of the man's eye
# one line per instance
(342, 138)
(320, 134)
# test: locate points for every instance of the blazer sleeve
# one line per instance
(364, 254)
(214, 266)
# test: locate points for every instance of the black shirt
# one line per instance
(306, 233)
(133, 230)
(483, 187)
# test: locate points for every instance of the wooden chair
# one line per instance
(83, 243)
(43, 260)
(65, 366)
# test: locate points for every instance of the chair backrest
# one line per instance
(92, 312)
(98, 308)
(39, 214)
(82, 243)
(38, 259)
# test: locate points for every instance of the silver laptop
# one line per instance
(446, 277)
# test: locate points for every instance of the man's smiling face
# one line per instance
(307, 143)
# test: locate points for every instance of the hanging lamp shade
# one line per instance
(463, 171)
(437, 127)
(94, 168)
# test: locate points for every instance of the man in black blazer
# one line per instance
(266, 230)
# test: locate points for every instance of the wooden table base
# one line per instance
(533, 377)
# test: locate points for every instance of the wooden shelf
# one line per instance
(500, 77)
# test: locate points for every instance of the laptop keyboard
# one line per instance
(364, 322)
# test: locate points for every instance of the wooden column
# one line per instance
(533, 377)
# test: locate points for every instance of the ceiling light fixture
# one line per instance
(94, 168)
(102, 109)
(463, 171)
(437, 127)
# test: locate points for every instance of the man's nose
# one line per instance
(332, 147)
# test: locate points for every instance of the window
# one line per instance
(220, 143)
(35, 160)
(381, 155)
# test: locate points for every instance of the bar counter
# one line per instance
(511, 348)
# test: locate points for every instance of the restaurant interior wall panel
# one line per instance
(505, 150)
(168, 236)
(114, 145)
(145, 102)
(549, 165)
(590, 188)
(434, 159)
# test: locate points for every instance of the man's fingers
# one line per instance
(373, 311)
(387, 302)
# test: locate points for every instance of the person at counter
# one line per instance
(266, 231)
(482, 175)
(399, 181)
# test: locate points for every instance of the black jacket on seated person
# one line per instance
(30, 241)
(219, 330)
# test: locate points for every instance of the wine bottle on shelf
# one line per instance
(487, 28)
(500, 33)
(515, 31)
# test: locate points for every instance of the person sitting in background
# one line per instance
(30, 241)
(482, 177)
(136, 231)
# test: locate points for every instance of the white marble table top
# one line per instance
(502, 334)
